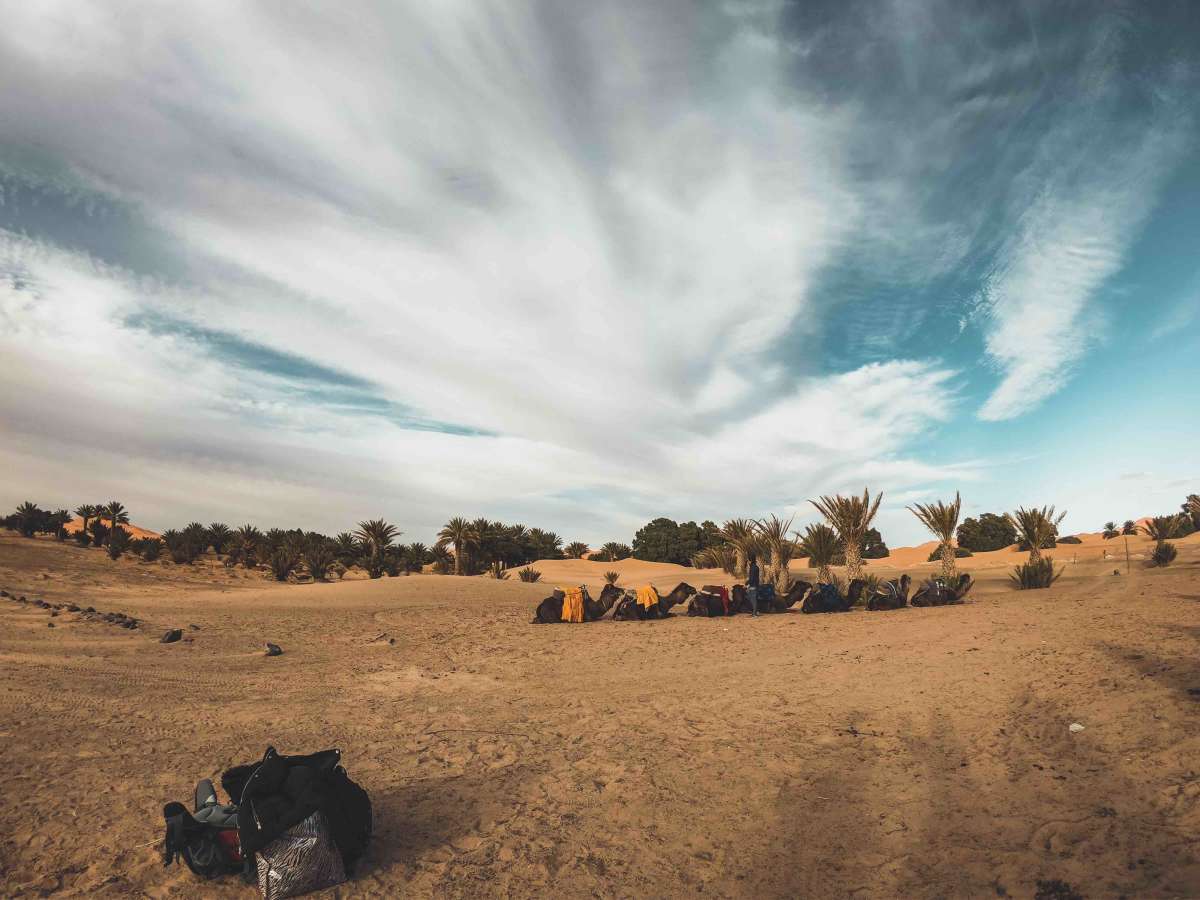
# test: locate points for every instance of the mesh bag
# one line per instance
(302, 860)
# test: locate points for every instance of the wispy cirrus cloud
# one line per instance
(575, 266)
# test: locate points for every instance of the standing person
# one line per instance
(752, 584)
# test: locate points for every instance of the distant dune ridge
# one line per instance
(136, 532)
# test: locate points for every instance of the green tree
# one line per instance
(1110, 531)
(576, 550)
(988, 532)
(1130, 527)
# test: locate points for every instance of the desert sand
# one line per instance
(916, 753)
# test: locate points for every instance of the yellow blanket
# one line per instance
(647, 596)
(572, 610)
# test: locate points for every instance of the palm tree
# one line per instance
(460, 534)
(415, 555)
(850, 518)
(376, 537)
(1161, 528)
(1110, 531)
(87, 512)
(613, 551)
(347, 548)
(59, 519)
(576, 550)
(740, 534)
(1036, 527)
(28, 516)
(219, 534)
(942, 521)
(820, 544)
(773, 532)
(1130, 527)
(116, 514)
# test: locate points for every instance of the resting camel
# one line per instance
(825, 598)
(936, 593)
(549, 611)
(629, 609)
(890, 595)
(707, 605)
(770, 601)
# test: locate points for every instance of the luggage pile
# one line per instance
(294, 824)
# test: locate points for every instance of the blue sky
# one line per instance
(583, 265)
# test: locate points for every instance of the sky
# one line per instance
(580, 265)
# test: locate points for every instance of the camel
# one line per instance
(706, 605)
(825, 598)
(934, 592)
(549, 611)
(629, 609)
(890, 595)
(769, 601)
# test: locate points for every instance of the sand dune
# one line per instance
(920, 753)
(135, 531)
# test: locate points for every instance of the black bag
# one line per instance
(206, 839)
(267, 799)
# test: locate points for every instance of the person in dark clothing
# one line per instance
(752, 584)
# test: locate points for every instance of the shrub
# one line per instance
(82, 538)
(1034, 575)
(959, 553)
(283, 562)
(151, 549)
(611, 577)
(529, 574)
(498, 571)
(1164, 554)
(576, 550)
(1070, 539)
(319, 559)
(1130, 527)
(118, 542)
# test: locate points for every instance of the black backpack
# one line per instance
(268, 798)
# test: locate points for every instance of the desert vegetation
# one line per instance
(850, 517)
(941, 519)
(1036, 527)
(486, 547)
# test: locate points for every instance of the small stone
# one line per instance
(90, 609)
(171, 636)
(273, 649)
(53, 613)
(3, 593)
(194, 627)
(1075, 728)
(49, 624)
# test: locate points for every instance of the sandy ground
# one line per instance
(917, 753)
